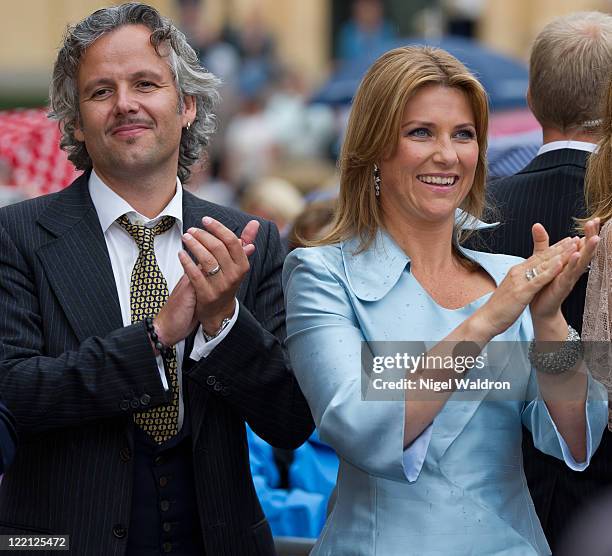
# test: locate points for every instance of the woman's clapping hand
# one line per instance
(543, 281)
(547, 302)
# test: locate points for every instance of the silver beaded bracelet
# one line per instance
(557, 362)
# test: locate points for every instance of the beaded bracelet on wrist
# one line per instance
(164, 350)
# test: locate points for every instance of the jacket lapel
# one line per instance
(77, 263)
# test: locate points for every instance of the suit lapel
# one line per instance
(77, 263)
(194, 209)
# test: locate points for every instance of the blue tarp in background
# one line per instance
(299, 511)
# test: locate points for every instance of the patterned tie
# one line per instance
(148, 293)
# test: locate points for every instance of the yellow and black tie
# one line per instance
(148, 294)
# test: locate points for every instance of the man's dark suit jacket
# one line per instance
(550, 190)
(71, 373)
(8, 437)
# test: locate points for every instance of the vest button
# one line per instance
(119, 531)
(166, 526)
(163, 481)
(158, 460)
(125, 455)
(164, 505)
(167, 547)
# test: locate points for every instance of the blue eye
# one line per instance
(419, 132)
(465, 134)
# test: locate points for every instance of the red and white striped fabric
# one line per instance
(29, 146)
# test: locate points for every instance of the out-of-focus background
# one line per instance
(289, 70)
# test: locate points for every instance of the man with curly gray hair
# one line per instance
(130, 401)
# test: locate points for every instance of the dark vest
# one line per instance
(164, 517)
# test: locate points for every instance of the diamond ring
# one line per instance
(531, 273)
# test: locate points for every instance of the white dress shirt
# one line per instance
(123, 253)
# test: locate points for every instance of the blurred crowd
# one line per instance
(272, 147)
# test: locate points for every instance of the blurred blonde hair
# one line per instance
(374, 129)
(570, 62)
(279, 198)
(598, 182)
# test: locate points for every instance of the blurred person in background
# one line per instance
(274, 199)
(570, 63)
(206, 183)
(312, 223)
(366, 33)
(251, 148)
(303, 131)
(425, 472)
(219, 57)
(216, 55)
(570, 60)
(597, 323)
(131, 402)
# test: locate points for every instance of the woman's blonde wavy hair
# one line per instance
(373, 132)
(598, 182)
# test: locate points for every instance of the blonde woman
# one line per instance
(597, 325)
(433, 472)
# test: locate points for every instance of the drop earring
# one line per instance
(376, 180)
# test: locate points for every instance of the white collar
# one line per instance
(111, 206)
(576, 145)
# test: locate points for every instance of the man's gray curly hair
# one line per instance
(190, 77)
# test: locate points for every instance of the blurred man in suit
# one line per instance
(571, 59)
(131, 403)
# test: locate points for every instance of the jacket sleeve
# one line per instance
(104, 377)
(325, 343)
(249, 369)
(548, 439)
